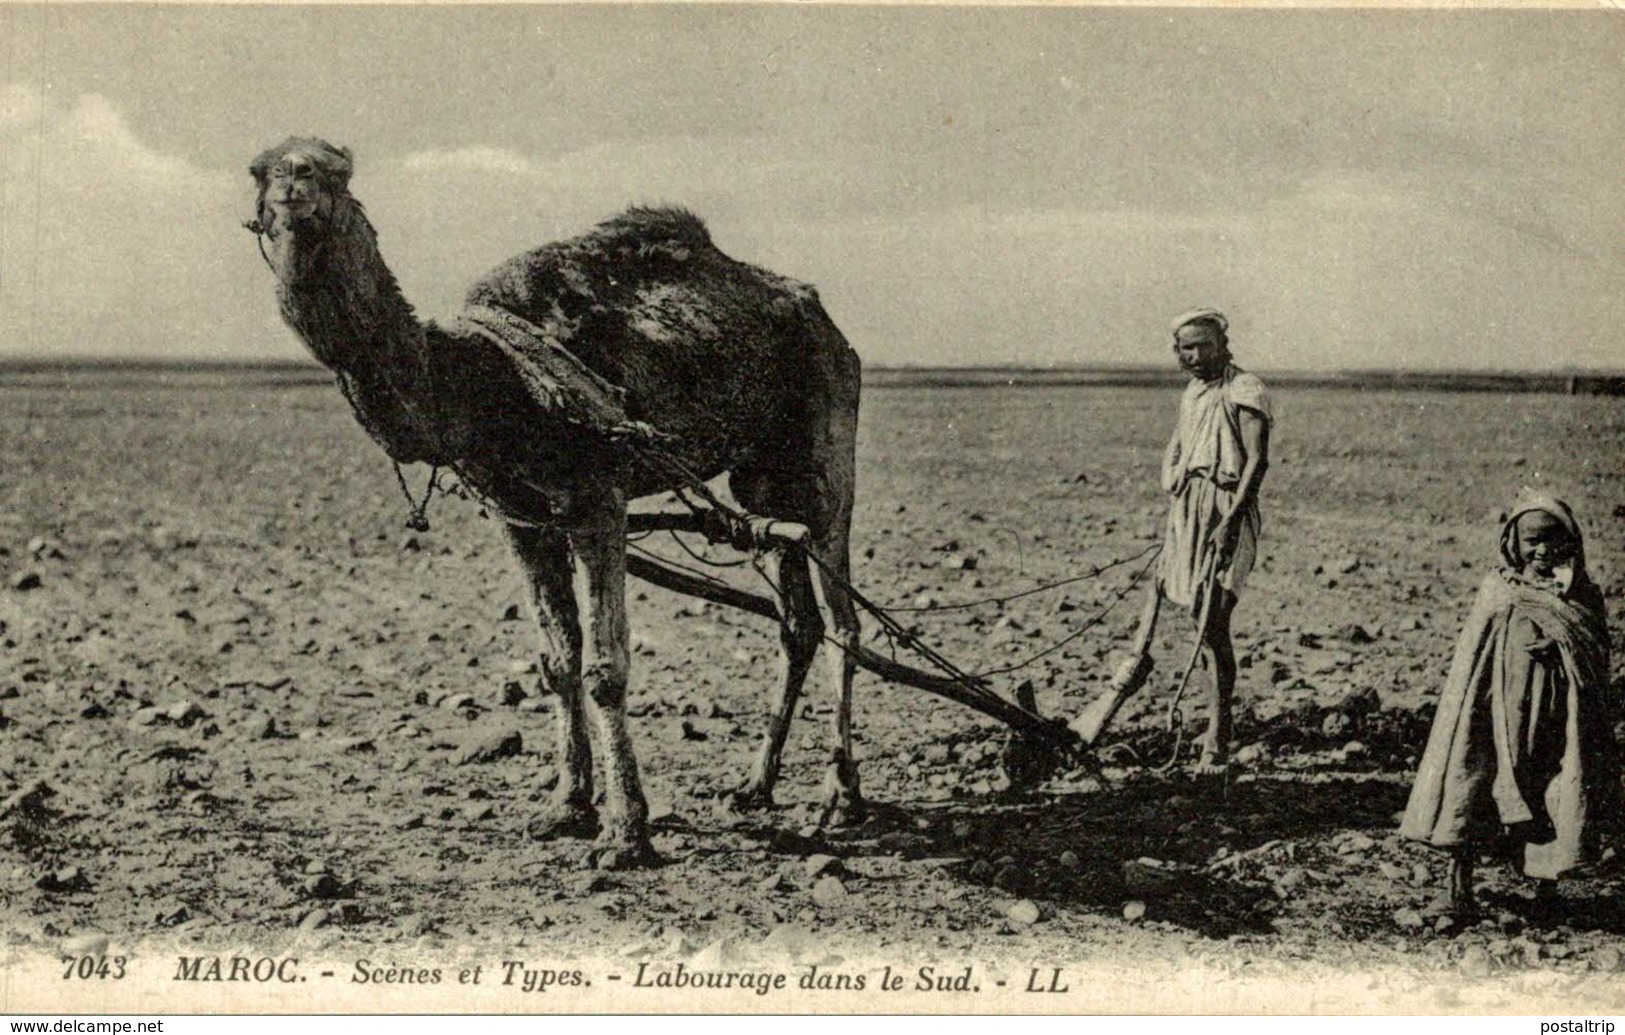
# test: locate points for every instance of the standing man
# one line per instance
(1211, 470)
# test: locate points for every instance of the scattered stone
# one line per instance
(817, 866)
(513, 694)
(1361, 703)
(1025, 913)
(1347, 566)
(1408, 918)
(690, 733)
(510, 613)
(457, 702)
(1606, 959)
(1250, 754)
(959, 562)
(357, 746)
(774, 883)
(1133, 910)
(829, 891)
(415, 925)
(41, 547)
(1069, 861)
(184, 713)
(93, 944)
(314, 919)
(1420, 874)
(412, 822)
(28, 580)
(1475, 962)
(479, 812)
(29, 801)
(1392, 872)
(1150, 878)
(69, 880)
(595, 884)
(171, 912)
(324, 886)
(491, 748)
(1357, 843)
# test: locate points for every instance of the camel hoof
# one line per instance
(564, 819)
(629, 854)
(750, 798)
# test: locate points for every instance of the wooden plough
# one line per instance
(1051, 736)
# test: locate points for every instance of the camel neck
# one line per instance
(350, 312)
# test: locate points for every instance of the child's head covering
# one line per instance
(1528, 502)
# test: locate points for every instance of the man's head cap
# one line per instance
(1212, 316)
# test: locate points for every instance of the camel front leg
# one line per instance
(598, 577)
(544, 555)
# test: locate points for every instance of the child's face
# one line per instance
(1543, 542)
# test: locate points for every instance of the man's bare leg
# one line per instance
(1219, 657)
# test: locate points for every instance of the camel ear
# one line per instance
(260, 167)
(340, 165)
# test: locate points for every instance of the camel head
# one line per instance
(303, 199)
(335, 289)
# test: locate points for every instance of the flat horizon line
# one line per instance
(156, 364)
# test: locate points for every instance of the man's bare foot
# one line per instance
(1212, 761)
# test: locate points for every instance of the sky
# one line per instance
(966, 186)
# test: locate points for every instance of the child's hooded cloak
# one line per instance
(1523, 738)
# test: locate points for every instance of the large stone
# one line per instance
(817, 866)
(829, 891)
(491, 748)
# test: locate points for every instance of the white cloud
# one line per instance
(111, 246)
(473, 159)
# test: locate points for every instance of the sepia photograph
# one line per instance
(811, 509)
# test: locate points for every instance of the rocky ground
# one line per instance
(242, 705)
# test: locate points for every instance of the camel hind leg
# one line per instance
(812, 483)
(799, 633)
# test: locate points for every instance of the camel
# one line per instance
(741, 367)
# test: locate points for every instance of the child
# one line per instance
(1522, 744)
(1212, 471)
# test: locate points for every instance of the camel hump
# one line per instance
(643, 225)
